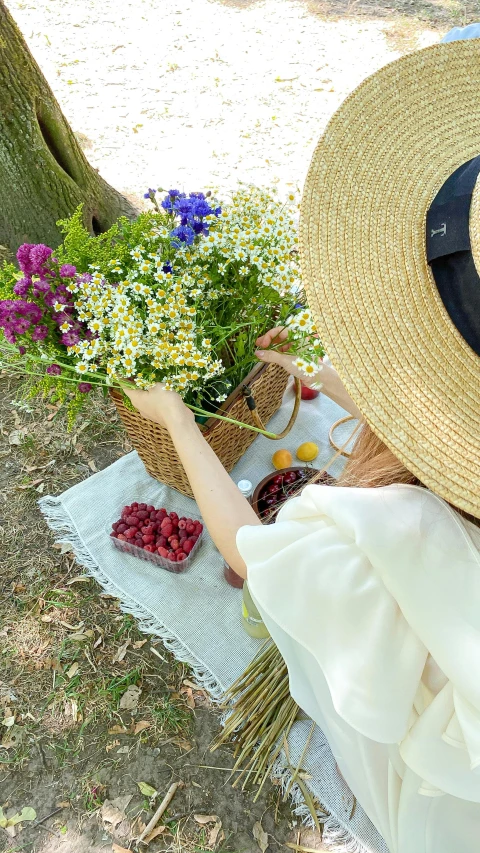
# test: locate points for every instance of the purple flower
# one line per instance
(9, 336)
(39, 333)
(68, 271)
(23, 258)
(54, 370)
(70, 338)
(22, 286)
(22, 350)
(149, 193)
(20, 325)
(200, 227)
(84, 387)
(182, 234)
(41, 287)
(39, 255)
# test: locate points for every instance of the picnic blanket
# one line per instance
(196, 615)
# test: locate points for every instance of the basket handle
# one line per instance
(250, 399)
(341, 450)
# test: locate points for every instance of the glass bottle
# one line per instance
(230, 576)
(251, 618)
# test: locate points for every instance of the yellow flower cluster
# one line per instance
(143, 324)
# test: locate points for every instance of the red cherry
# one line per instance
(271, 500)
(273, 488)
(309, 393)
(278, 479)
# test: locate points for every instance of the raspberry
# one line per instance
(130, 533)
(174, 544)
(161, 514)
(161, 541)
(142, 514)
(132, 520)
(122, 537)
(135, 505)
(127, 510)
(167, 531)
(182, 524)
(121, 528)
(198, 527)
(148, 540)
(180, 556)
(190, 527)
(162, 551)
(166, 522)
(188, 546)
(142, 506)
(172, 556)
(150, 508)
(149, 548)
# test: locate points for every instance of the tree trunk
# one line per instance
(44, 174)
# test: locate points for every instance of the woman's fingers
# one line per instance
(273, 336)
(272, 356)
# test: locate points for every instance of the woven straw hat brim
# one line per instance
(381, 161)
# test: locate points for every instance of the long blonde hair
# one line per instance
(372, 465)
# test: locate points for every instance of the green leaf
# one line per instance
(147, 789)
(28, 813)
(3, 819)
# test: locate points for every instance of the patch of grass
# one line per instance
(171, 716)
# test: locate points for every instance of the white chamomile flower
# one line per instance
(65, 327)
(82, 367)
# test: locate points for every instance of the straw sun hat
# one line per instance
(390, 246)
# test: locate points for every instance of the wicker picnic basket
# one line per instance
(265, 384)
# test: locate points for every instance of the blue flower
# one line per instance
(149, 193)
(169, 200)
(182, 234)
(167, 267)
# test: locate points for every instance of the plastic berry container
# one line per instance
(127, 547)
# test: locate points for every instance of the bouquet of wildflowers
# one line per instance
(178, 296)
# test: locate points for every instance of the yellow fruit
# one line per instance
(307, 452)
(282, 459)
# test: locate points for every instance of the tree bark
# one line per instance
(44, 174)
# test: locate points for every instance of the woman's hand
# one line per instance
(327, 379)
(157, 404)
(281, 356)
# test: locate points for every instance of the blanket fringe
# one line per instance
(335, 836)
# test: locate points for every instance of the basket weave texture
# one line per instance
(155, 447)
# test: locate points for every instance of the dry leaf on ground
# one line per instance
(154, 834)
(213, 835)
(260, 836)
(141, 726)
(117, 730)
(121, 652)
(129, 700)
(117, 849)
(73, 670)
(139, 643)
(203, 819)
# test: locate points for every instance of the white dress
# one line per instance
(373, 598)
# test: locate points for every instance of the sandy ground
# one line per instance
(198, 93)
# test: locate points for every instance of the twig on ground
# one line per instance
(161, 809)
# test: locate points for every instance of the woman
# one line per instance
(371, 588)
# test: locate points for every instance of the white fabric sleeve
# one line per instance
(309, 575)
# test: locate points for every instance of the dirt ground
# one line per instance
(68, 655)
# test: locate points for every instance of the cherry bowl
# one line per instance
(272, 492)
